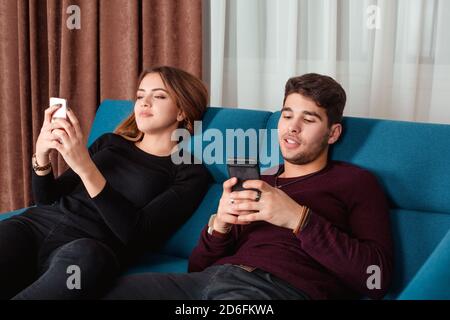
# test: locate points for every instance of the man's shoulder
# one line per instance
(352, 173)
(347, 167)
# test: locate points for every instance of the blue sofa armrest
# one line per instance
(432, 280)
(9, 214)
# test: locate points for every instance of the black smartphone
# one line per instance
(243, 169)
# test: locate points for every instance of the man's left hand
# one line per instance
(274, 206)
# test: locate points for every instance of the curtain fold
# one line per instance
(41, 57)
(391, 56)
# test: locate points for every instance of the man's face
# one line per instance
(303, 131)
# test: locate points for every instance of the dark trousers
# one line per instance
(52, 263)
(221, 282)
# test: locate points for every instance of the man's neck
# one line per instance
(297, 170)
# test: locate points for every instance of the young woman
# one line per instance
(121, 196)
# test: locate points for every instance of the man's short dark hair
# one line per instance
(323, 90)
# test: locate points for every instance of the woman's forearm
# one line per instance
(93, 180)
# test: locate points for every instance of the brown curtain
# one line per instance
(41, 57)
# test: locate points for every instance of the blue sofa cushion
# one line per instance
(9, 214)
(153, 262)
(433, 279)
(411, 159)
(223, 120)
(416, 234)
(109, 115)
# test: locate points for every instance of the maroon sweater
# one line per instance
(348, 231)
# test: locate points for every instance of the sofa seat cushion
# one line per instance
(433, 279)
(9, 214)
(416, 236)
(154, 262)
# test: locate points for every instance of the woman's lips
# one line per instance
(145, 114)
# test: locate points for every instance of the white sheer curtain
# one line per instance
(400, 70)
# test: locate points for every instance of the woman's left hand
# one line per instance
(71, 145)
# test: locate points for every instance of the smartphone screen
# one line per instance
(243, 169)
(62, 111)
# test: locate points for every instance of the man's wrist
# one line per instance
(214, 227)
(302, 221)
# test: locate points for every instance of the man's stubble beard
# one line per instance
(310, 155)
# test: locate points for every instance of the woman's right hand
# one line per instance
(44, 142)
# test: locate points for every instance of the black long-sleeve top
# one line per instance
(145, 199)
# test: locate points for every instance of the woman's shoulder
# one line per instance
(192, 166)
(109, 139)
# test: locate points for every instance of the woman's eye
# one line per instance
(287, 117)
(139, 98)
(160, 97)
(308, 121)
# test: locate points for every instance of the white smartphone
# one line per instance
(62, 111)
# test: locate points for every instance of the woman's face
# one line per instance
(155, 110)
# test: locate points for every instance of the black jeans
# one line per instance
(221, 282)
(52, 261)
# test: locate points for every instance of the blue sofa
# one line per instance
(411, 161)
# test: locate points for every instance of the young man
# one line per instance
(318, 229)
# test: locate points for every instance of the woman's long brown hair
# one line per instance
(188, 92)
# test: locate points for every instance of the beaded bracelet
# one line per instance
(303, 216)
(37, 167)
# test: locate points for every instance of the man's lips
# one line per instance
(291, 142)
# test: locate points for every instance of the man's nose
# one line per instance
(294, 129)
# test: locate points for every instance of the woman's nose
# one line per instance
(147, 101)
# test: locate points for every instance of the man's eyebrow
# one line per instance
(313, 114)
(308, 113)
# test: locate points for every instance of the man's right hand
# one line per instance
(226, 215)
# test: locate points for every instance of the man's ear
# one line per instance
(335, 133)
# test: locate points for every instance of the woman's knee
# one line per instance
(87, 253)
